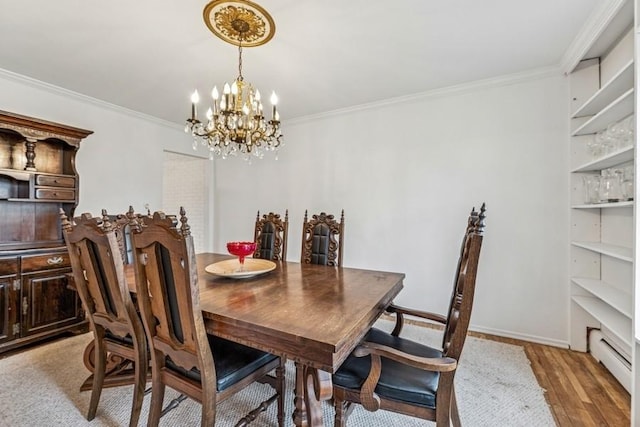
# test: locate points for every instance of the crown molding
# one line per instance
(57, 90)
(593, 28)
(493, 82)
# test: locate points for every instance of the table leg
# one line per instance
(312, 387)
(300, 410)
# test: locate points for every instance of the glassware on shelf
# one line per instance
(591, 186)
(627, 187)
(610, 188)
(617, 136)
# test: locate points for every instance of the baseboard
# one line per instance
(521, 337)
(489, 331)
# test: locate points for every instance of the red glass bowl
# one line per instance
(241, 249)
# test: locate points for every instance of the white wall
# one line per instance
(121, 163)
(407, 174)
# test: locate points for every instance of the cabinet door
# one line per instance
(48, 302)
(9, 326)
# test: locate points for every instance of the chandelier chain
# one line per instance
(240, 59)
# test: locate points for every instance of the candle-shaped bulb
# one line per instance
(195, 98)
(215, 95)
(274, 102)
(257, 96)
(245, 109)
(234, 88)
(226, 99)
(209, 114)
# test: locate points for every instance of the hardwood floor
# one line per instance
(580, 391)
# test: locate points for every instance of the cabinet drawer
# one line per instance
(56, 181)
(55, 194)
(8, 266)
(45, 262)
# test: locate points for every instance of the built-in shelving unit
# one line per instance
(602, 250)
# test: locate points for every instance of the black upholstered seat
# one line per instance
(397, 380)
(233, 362)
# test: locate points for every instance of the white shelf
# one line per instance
(618, 157)
(618, 252)
(613, 89)
(620, 108)
(619, 300)
(615, 321)
(624, 204)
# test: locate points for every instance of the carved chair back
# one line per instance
(461, 303)
(167, 292)
(271, 236)
(322, 240)
(98, 272)
(123, 232)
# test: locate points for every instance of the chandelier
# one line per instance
(235, 123)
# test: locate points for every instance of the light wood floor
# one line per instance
(579, 390)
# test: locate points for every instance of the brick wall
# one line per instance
(184, 184)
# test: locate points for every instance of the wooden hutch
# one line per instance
(37, 178)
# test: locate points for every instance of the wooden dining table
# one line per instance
(313, 315)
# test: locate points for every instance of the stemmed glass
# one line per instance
(241, 250)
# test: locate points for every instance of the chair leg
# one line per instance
(140, 367)
(281, 390)
(157, 397)
(100, 364)
(340, 405)
(209, 406)
(455, 415)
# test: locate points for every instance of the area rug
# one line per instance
(40, 387)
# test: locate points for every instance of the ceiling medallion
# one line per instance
(239, 20)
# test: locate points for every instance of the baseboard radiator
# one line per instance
(604, 351)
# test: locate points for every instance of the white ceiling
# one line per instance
(149, 55)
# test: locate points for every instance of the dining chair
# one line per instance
(99, 277)
(387, 371)
(205, 368)
(270, 236)
(322, 239)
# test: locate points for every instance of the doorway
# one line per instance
(187, 181)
